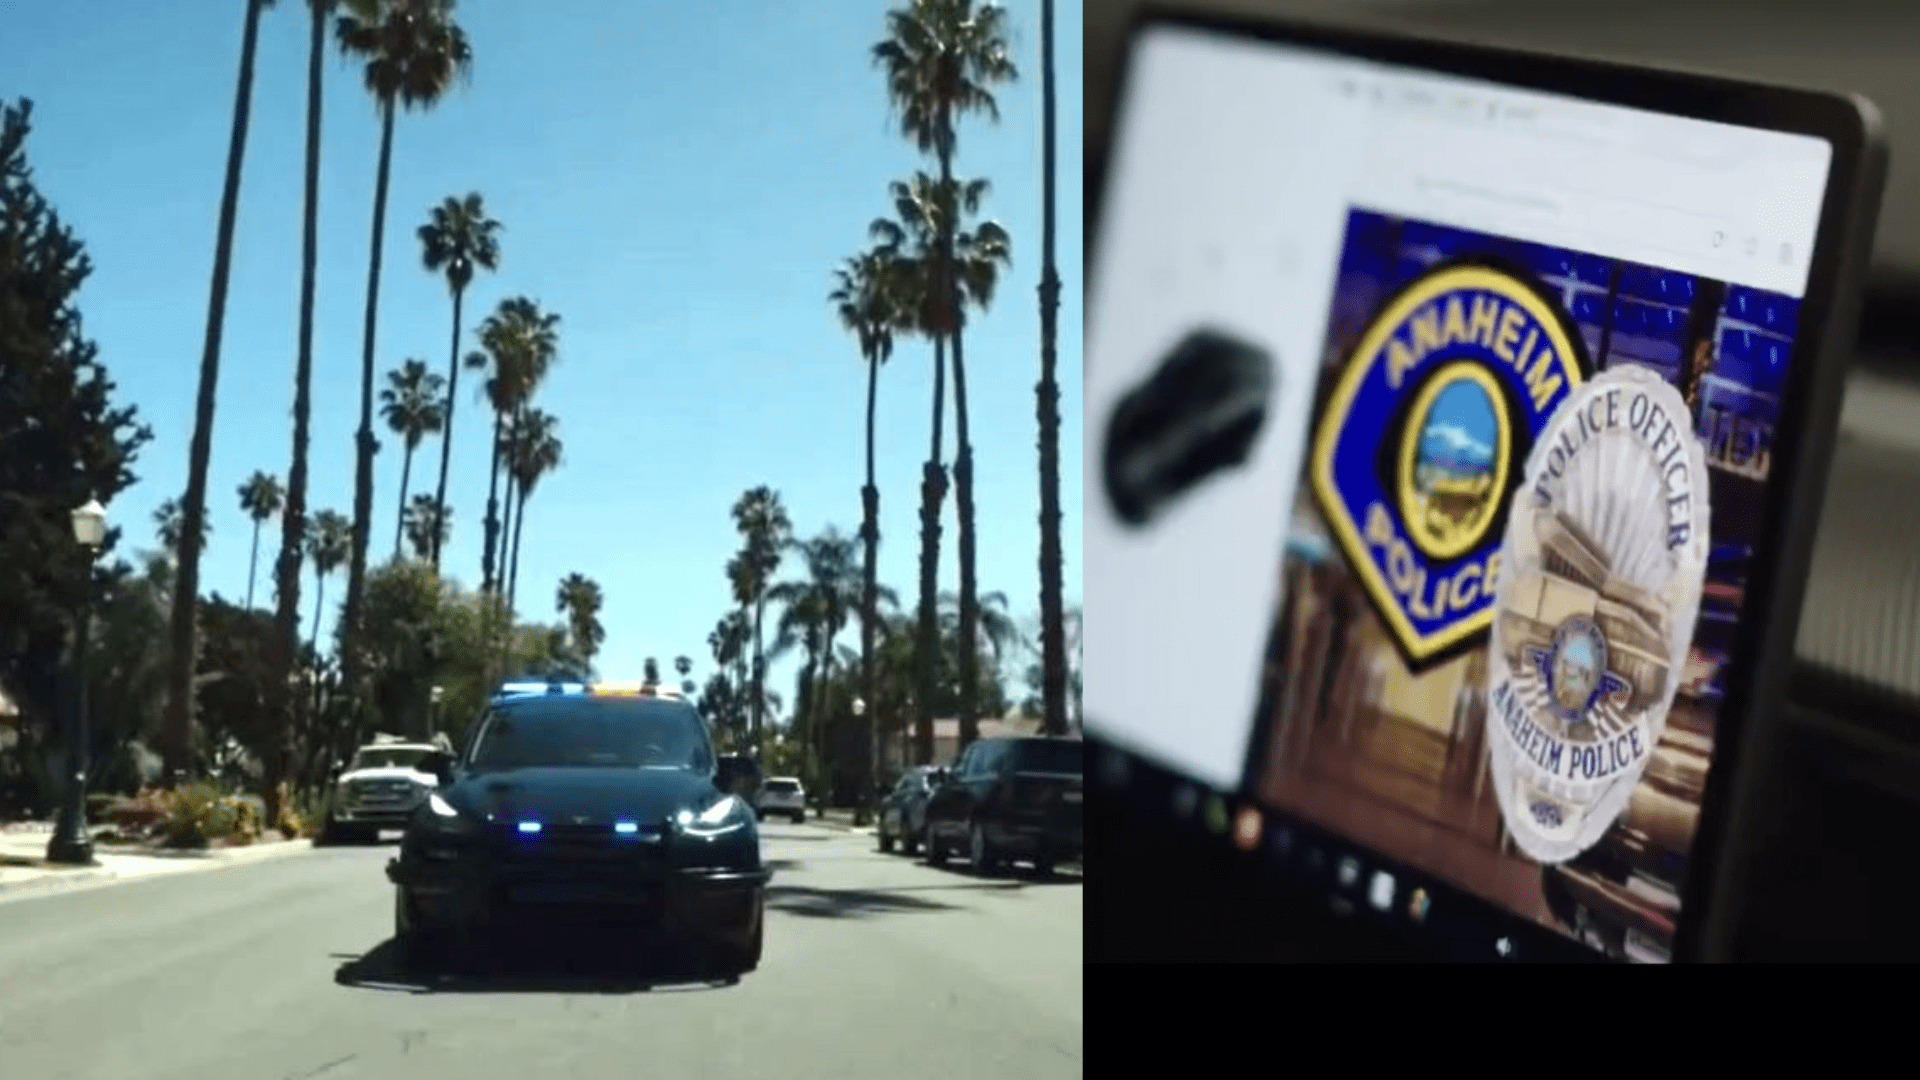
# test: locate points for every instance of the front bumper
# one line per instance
(480, 894)
(1056, 840)
(384, 817)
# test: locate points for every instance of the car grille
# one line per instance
(579, 845)
(380, 793)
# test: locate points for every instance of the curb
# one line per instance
(58, 881)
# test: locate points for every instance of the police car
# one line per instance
(598, 805)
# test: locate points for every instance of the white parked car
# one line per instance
(782, 796)
(379, 789)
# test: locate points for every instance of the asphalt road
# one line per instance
(875, 966)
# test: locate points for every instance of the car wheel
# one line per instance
(799, 817)
(931, 844)
(422, 946)
(980, 855)
(1043, 868)
(886, 841)
(329, 832)
(909, 843)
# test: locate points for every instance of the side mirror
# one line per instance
(737, 774)
(439, 765)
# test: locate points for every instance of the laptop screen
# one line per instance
(1431, 426)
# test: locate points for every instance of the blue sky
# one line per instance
(677, 181)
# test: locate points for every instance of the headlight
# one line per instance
(440, 806)
(727, 815)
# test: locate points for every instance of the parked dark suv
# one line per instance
(1009, 800)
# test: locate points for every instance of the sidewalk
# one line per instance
(23, 865)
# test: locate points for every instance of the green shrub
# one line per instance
(249, 812)
(199, 814)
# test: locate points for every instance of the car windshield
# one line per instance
(594, 733)
(387, 759)
(1049, 755)
(782, 787)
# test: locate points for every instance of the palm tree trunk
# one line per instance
(319, 608)
(1053, 636)
(933, 491)
(400, 515)
(493, 506)
(519, 521)
(293, 517)
(179, 717)
(509, 500)
(363, 473)
(253, 563)
(446, 429)
(759, 670)
(869, 599)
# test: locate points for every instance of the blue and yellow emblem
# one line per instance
(1425, 436)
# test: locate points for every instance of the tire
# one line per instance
(886, 841)
(980, 856)
(742, 960)
(935, 855)
(1043, 868)
(799, 817)
(422, 947)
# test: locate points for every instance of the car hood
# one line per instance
(390, 773)
(583, 796)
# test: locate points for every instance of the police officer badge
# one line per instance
(1423, 434)
(1601, 575)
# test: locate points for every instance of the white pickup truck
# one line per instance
(379, 789)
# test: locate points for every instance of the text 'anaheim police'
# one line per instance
(1415, 460)
(1604, 564)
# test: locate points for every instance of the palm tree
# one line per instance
(179, 716)
(328, 545)
(413, 51)
(761, 519)
(293, 521)
(978, 254)
(535, 453)
(421, 515)
(519, 343)
(1053, 648)
(260, 499)
(867, 297)
(942, 59)
(457, 239)
(170, 523)
(729, 641)
(412, 406)
(912, 241)
(816, 608)
(579, 599)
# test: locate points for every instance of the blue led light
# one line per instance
(529, 826)
(626, 827)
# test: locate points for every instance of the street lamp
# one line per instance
(70, 843)
(864, 812)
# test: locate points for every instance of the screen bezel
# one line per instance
(1763, 641)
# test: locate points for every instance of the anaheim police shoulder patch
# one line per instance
(1422, 441)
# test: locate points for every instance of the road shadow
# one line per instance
(1014, 876)
(549, 966)
(862, 903)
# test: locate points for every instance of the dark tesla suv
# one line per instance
(571, 808)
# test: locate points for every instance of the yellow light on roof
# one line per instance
(633, 689)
